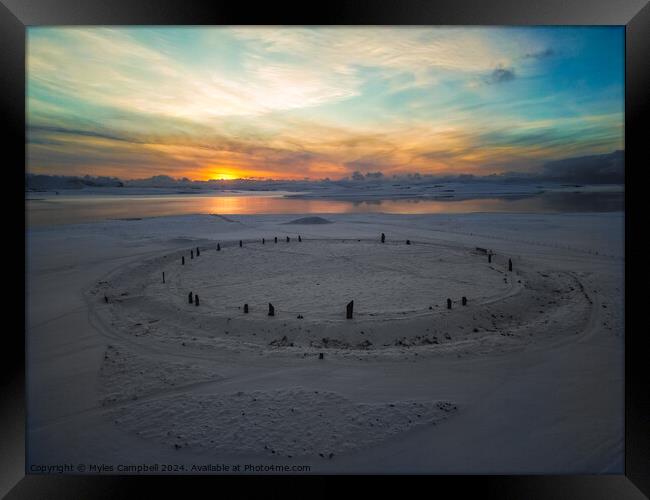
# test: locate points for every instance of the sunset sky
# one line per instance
(289, 103)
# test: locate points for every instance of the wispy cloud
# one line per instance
(542, 54)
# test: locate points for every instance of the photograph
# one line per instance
(325, 250)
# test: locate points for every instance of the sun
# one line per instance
(220, 173)
(221, 176)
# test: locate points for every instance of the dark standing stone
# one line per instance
(105, 298)
(464, 301)
(263, 241)
(320, 355)
(190, 299)
(183, 260)
(349, 309)
(241, 243)
(245, 308)
(383, 238)
(489, 258)
(448, 303)
(191, 254)
(276, 239)
(271, 310)
(197, 251)
(287, 239)
(299, 238)
(509, 264)
(163, 276)
(218, 247)
(408, 242)
(196, 299)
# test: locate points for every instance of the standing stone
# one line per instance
(509, 264)
(245, 308)
(464, 301)
(408, 242)
(349, 309)
(287, 239)
(448, 303)
(197, 251)
(383, 238)
(276, 239)
(262, 241)
(271, 310)
(489, 258)
(241, 243)
(105, 298)
(196, 299)
(163, 276)
(299, 238)
(190, 299)
(320, 355)
(183, 260)
(191, 254)
(218, 247)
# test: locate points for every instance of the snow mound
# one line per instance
(126, 376)
(287, 423)
(310, 220)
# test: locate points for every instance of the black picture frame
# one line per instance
(16, 15)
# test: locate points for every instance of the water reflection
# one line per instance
(73, 209)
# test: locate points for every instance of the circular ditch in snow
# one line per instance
(399, 291)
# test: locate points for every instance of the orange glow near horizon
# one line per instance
(211, 173)
(237, 172)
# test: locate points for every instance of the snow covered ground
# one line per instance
(525, 378)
